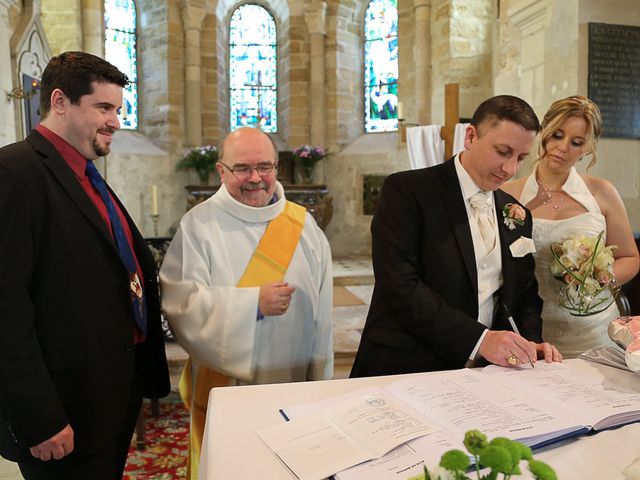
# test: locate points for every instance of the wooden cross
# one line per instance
(451, 117)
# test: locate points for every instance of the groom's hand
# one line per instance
(507, 349)
(548, 352)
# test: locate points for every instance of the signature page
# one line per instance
(597, 402)
(462, 400)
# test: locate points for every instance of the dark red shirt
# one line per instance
(78, 164)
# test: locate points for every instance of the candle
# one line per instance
(154, 200)
(400, 111)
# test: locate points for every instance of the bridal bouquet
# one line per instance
(500, 455)
(585, 265)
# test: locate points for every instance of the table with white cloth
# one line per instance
(232, 450)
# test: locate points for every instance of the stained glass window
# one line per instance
(252, 67)
(381, 66)
(120, 50)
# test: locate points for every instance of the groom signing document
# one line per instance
(452, 259)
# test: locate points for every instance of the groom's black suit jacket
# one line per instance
(424, 310)
(67, 353)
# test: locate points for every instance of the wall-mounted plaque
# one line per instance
(371, 187)
(614, 77)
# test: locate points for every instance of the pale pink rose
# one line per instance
(517, 212)
(603, 277)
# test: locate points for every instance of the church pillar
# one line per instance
(315, 18)
(422, 59)
(192, 18)
(92, 27)
(7, 118)
(531, 18)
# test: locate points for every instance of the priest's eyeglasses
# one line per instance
(242, 170)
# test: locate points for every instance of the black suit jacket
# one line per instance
(424, 310)
(66, 323)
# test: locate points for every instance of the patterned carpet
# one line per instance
(166, 440)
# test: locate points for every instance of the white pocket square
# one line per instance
(522, 246)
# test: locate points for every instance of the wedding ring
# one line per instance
(512, 360)
(284, 307)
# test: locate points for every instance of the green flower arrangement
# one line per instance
(501, 455)
(202, 160)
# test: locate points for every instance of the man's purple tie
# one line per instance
(136, 292)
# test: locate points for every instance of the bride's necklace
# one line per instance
(547, 195)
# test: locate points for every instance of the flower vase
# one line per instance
(306, 174)
(582, 301)
(204, 178)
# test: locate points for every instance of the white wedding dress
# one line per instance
(572, 335)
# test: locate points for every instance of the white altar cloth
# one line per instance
(232, 450)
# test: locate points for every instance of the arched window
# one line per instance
(252, 69)
(120, 50)
(381, 66)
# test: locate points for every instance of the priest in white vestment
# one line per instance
(280, 331)
(219, 324)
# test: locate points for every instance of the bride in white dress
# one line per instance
(564, 203)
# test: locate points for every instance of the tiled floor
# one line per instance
(352, 271)
(356, 274)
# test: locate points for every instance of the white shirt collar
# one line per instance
(247, 213)
(467, 185)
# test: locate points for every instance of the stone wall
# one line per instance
(543, 57)
(148, 156)
(462, 43)
(62, 20)
(532, 48)
(618, 159)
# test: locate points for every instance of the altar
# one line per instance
(231, 448)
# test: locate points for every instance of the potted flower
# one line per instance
(202, 160)
(500, 455)
(306, 157)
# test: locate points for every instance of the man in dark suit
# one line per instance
(81, 341)
(451, 258)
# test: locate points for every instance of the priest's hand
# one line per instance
(507, 349)
(275, 298)
(58, 446)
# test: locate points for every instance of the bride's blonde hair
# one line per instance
(560, 111)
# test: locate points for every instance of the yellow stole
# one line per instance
(269, 263)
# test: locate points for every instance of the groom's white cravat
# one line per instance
(487, 252)
(481, 207)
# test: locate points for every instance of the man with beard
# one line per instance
(81, 340)
(247, 284)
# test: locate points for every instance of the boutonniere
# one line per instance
(513, 215)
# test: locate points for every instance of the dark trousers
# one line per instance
(107, 464)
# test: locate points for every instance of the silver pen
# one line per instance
(514, 326)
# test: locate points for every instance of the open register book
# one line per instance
(389, 432)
